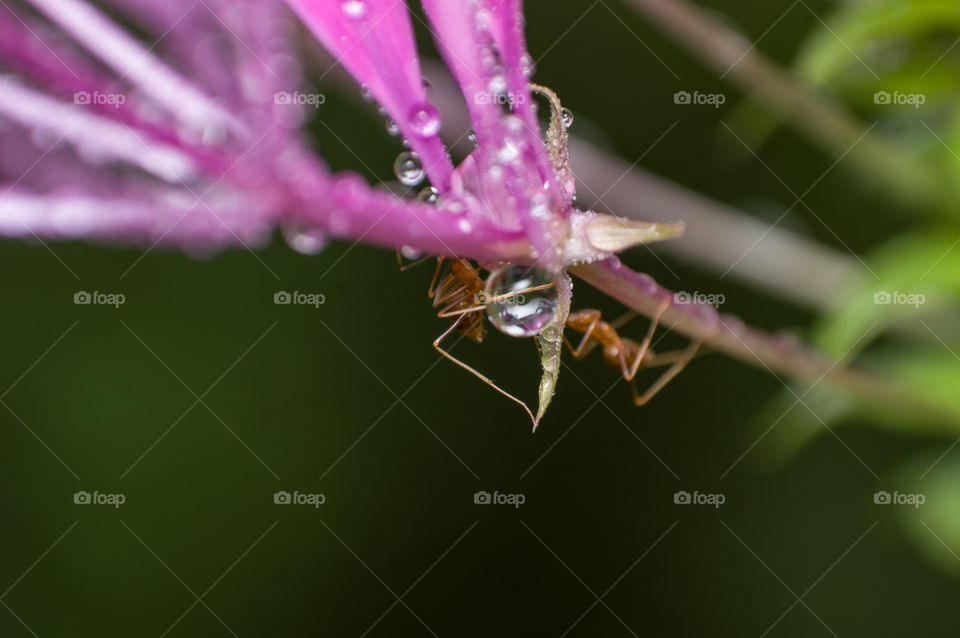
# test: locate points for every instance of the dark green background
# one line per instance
(317, 396)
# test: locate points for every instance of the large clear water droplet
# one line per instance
(305, 241)
(425, 119)
(354, 9)
(520, 311)
(408, 168)
(566, 116)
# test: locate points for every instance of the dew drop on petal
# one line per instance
(497, 84)
(527, 66)
(424, 119)
(566, 115)
(393, 129)
(304, 241)
(365, 92)
(409, 252)
(524, 314)
(472, 136)
(483, 20)
(354, 9)
(429, 195)
(508, 153)
(408, 168)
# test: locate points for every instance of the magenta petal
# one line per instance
(482, 43)
(374, 41)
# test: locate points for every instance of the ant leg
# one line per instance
(439, 340)
(624, 319)
(448, 310)
(431, 291)
(413, 264)
(581, 350)
(482, 306)
(680, 360)
(631, 372)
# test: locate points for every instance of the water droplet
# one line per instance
(365, 92)
(508, 153)
(409, 252)
(472, 136)
(527, 66)
(483, 19)
(408, 168)
(429, 195)
(497, 84)
(426, 85)
(305, 241)
(393, 129)
(524, 312)
(424, 119)
(354, 9)
(566, 116)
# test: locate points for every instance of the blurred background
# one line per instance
(198, 400)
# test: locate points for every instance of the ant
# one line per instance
(627, 355)
(463, 295)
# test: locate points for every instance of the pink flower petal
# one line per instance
(374, 40)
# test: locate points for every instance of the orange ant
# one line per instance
(463, 295)
(626, 355)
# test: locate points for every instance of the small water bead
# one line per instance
(527, 66)
(527, 313)
(424, 119)
(365, 92)
(411, 253)
(498, 84)
(393, 129)
(483, 20)
(566, 116)
(408, 168)
(305, 241)
(354, 9)
(471, 136)
(429, 195)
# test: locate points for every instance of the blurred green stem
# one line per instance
(827, 122)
